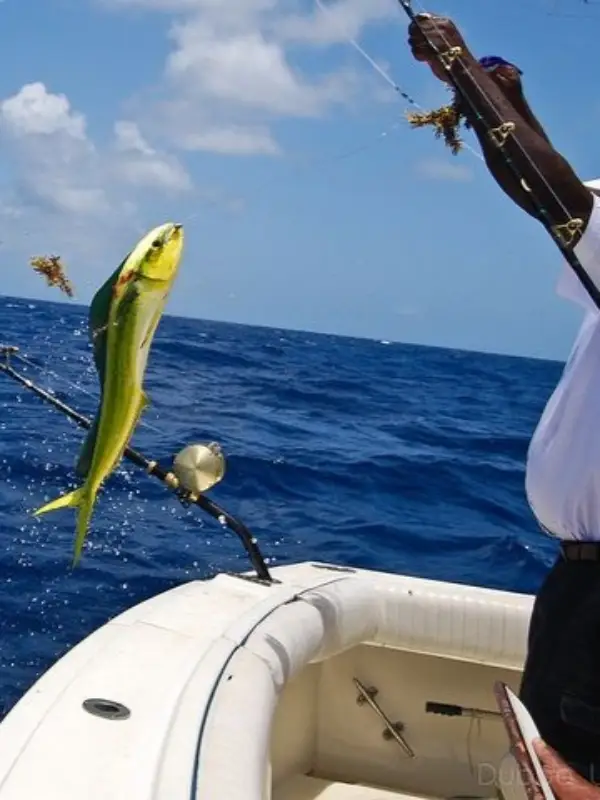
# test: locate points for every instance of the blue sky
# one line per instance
(308, 202)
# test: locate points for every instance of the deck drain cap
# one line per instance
(107, 709)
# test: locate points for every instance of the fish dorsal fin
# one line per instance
(97, 327)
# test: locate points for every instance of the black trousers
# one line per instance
(561, 680)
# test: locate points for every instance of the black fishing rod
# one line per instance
(167, 478)
(563, 234)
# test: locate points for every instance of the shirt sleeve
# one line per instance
(587, 251)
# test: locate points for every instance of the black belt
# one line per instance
(580, 551)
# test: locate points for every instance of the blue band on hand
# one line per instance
(489, 63)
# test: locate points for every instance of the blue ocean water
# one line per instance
(389, 456)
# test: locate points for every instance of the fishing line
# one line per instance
(370, 60)
(499, 136)
(310, 163)
(57, 376)
(395, 86)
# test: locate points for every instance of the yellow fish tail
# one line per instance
(84, 501)
(86, 507)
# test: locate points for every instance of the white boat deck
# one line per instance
(235, 690)
(303, 787)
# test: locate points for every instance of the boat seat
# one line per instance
(303, 787)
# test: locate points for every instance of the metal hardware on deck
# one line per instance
(500, 134)
(388, 735)
(242, 576)
(392, 730)
(449, 56)
(452, 710)
(333, 568)
(106, 709)
(364, 692)
(569, 231)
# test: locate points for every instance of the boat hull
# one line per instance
(229, 688)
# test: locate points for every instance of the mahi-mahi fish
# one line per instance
(123, 318)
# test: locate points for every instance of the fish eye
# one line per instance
(157, 243)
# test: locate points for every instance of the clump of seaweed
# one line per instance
(52, 268)
(445, 121)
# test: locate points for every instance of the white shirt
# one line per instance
(563, 463)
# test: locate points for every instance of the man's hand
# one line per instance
(565, 782)
(442, 33)
(508, 78)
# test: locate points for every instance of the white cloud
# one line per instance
(229, 140)
(71, 194)
(234, 10)
(333, 22)
(34, 111)
(233, 71)
(57, 163)
(244, 70)
(141, 165)
(438, 169)
(60, 161)
(129, 139)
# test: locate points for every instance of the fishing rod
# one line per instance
(173, 482)
(563, 234)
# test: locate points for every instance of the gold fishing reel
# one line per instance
(199, 467)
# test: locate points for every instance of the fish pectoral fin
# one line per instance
(145, 401)
(69, 500)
